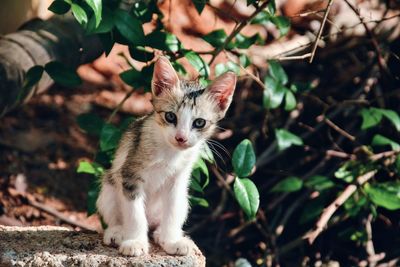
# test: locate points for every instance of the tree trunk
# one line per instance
(38, 42)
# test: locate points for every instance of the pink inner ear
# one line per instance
(164, 76)
(222, 89)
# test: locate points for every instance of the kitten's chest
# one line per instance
(163, 166)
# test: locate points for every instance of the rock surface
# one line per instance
(58, 246)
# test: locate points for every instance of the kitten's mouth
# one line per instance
(181, 146)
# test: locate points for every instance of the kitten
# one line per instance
(147, 185)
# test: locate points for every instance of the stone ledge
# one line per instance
(59, 246)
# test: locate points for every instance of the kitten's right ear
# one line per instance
(164, 76)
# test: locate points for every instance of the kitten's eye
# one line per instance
(199, 123)
(170, 117)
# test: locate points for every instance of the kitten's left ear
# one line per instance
(221, 89)
(164, 76)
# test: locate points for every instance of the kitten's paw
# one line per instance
(134, 248)
(181, 247)
(113, 235)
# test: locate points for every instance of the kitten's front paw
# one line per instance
(134, 248)
(113, 235)
(181, 247)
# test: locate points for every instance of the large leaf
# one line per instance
(392, 116)
(216, 38)
(244, 158)
(289, 184)
(106, 24)
(380, 140)
(277, 72)
(109, 137)
(198, 63)
(132, 77)
(370, 118)
(274, 93)
(90, 123)
(287, 139)
(386, 195)
(79, 13)
(247, 195)
(244, 42)
(163, 41)
(62, 74)
(59, 7)
(129, 27)
(96, 6)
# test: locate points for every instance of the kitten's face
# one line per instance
(187, 112)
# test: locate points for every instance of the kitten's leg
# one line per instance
(135, 240)
(175, 209)
(109, 211)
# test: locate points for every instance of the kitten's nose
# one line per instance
(180, 139)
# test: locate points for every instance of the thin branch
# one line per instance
(339, 130)
(331, 209)
(237, 30)
(321, 28)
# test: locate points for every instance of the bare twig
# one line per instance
(330, 210)
(237, 30)
(321, 28)
(339, 130)
(59, 215)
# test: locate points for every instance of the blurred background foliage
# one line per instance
(304, 170)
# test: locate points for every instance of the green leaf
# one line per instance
(90, 123)
(373, 116)
(59, 7)
(194, 182)
(129, 27)
(392, 116)
(132, 77)
(92, 196)
(244, 158)
(90, 168)
(244, 42)
(282, 23)
(261, 18)
(96, 6)
(107, 40)
(207, 154)
(385, 195)
(244, 61)
(287, 139)
(290, 184)
(199, 5)
(79, 14)
(33, 76)
(140, 54)
(216, 38)
(62, 74)
(370, 118)
(271, 7)
(197, 201)
(313, 208)
(106, 24)
(247, 196)
(198, 63)
(345, 173)
(290, 101)
(277, 72)
(163, 41)
(229, 66)
(354, 204)
(273, 94)
(109, 137)
(380, 140)
(319, 183)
